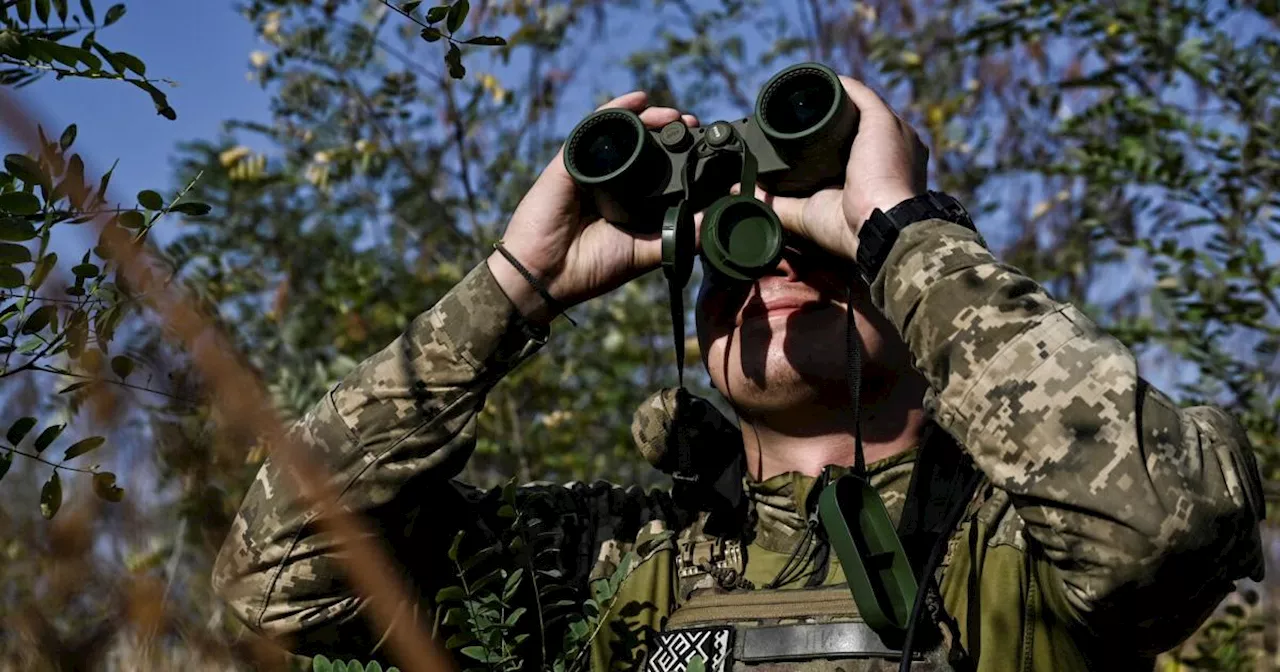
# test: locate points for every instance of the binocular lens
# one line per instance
(799, 103)
(606, 147)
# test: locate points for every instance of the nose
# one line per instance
(789, 266)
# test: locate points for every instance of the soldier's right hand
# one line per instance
(556, 236)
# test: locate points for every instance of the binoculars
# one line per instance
(796, 142)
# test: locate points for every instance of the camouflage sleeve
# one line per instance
(393, 434)
(1140, 514)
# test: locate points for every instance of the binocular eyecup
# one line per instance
(796, 142)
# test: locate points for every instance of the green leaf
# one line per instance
(48, 436)
(132, 219)
(319, 663)
(11, 278)
(24, 11)
(61, 7)
(13, 44)
(19, 203)
(51, 496)
(487, 40)
(113, 15)
(25, 168)
(430, 34)
(514, 617)
(38, 320)
(150, 200)
(83, 446)
(450, 593)
(457, 14)
(354, 666)
(477, 652)
(5, 461)
(453, 548)
(484, 581)
(104, 486)
(453, 58)
(457, 641)
(14, 254)
(512, 585)
(16, 230)
(42, 10)
(373, 666)
(68, 137)
(192, 208)
(121, 366)
(697, 664)
(86, 6)
(437, 14)
(75, 386)
(506, 511)
(86, 270)
(455, 616)
(42, 269)
(408, 7)
(132, 63)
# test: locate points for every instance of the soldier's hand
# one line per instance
(887, 165)
(559, 239)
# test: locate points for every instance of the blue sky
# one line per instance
(203, 46)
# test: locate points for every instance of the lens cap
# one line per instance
(741, 237)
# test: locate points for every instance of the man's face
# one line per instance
(779, 344)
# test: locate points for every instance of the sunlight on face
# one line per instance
(780, 343)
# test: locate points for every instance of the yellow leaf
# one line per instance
(233, 156)
(1113, 30)
(911, 58)
(937, 116)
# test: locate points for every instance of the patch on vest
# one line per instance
(673, 650)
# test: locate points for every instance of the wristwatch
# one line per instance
(881, 229)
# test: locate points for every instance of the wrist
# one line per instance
(884, 200)
(523, 295)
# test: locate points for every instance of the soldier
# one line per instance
(1096, 522)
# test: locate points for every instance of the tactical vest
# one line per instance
(731, 626)
(721, 623)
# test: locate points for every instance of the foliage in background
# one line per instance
(1123, 154)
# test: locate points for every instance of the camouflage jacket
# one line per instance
(1121, 517)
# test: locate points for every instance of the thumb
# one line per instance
(790, 210)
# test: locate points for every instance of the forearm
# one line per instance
(1125, 495)
(408, 413)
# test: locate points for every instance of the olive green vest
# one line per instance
(703, 591)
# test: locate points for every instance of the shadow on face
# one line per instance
(779, 343)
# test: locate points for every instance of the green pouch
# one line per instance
(874, 562)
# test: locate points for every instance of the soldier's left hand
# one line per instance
(887, 165)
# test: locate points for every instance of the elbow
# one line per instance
(1157, 588)
(233, 583)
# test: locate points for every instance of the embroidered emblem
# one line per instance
(672, 651)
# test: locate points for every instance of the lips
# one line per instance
(755, 308)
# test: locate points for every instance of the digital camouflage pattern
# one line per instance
(1112, 522)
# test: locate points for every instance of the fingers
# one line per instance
(634, 101)
(657, 117)
(869, 103)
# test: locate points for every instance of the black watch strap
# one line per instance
(881, 229)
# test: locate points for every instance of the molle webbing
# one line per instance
(766, 605)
